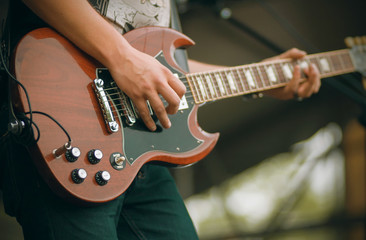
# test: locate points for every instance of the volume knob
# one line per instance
(78, 175)
(94, 156)
(73, 154)
(102, 177)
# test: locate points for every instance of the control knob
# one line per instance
(78, 175)
(102, 177)
(94, 156)
(72, 154)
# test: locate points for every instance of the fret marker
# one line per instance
(270, 73)
(324, 65)
(210, 87)
(221, 85)
(304, 65)
(287, 71)
(202, 89)
(231, 82)
(183, 102)
(249, 77)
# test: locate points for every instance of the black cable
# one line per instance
(53, 119)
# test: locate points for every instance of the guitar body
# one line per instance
(59, 79)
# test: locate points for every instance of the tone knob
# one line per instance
(94, 156)
(78, 175)
(73, 154)
(102, 177)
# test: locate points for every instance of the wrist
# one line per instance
(116, 53)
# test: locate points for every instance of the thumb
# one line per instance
(293, 53)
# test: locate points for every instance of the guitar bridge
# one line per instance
(112, 125)
(114, 99)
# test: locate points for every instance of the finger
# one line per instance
(159, 110)
(177, 85)
(172, 99)
(313, 77)
(293, 53)
(144, 113)
(293, 85)
(306, 89)
(314, 72)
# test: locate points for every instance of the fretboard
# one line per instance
(258, 77)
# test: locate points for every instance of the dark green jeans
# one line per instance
(150, 209)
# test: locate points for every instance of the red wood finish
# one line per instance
(58, 78)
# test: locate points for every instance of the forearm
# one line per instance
(83, 26)
(137, 74)
(196, 66)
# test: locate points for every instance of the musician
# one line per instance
(151, 208)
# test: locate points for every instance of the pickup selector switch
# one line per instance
(94, 156)
(73, 154)
(78, 175)
(102, 177)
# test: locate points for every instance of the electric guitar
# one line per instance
(109, 141)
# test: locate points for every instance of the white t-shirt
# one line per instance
(126, 15)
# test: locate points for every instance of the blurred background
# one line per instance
(281, 169)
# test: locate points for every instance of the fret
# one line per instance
(225, 83)
(304, 65)
(237, 79)
(340, 61)
(232, 84)
(204, 85)
(202, 88)
(264, 75)
(337, 66)
(292, 65)
(287, 70)
(243, 80)
(278, 78)
(314, 61)
(220, 83)
(199, 95)
(324, 64)
(331, 63)
(281, 76)
(347, 60)
(216, 85)
(193, 87)
(210, 86)
(271, 74)
(249, 76)
(257, 78)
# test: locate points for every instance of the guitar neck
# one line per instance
(253, 78)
